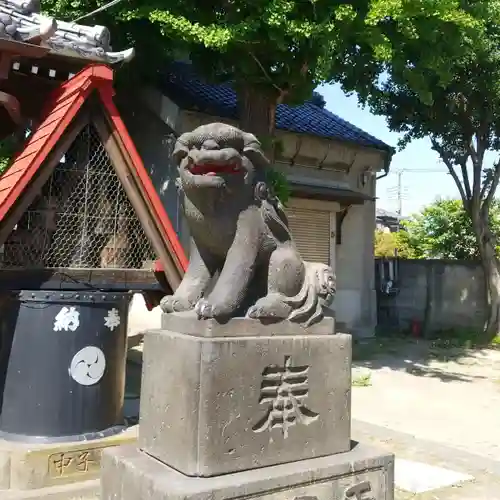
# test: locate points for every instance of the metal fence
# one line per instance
(82, 219)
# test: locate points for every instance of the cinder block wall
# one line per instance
(440, 294)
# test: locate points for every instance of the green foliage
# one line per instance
(287, 47)
(441, 79)
(279, 184)
(392, 245)
(7, 150)
(443, 230)
(362, 380)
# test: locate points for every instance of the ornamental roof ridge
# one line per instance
(22, 21)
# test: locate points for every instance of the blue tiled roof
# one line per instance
(189, 91)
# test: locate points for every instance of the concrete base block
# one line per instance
(216, 405)
(38, 468)
(87, 490)
(360, 474)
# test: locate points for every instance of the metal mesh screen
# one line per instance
(82, 219)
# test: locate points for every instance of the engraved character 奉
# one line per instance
(285, 389)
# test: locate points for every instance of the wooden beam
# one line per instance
(81, 279)
(15, 48)
(340, 221)
(5, 65)
(11, 105)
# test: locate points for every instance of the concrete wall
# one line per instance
(441, 295)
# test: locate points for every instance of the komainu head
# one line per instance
(217, 155)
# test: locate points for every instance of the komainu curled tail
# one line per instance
(318, 291)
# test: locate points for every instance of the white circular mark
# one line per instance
(88, 365)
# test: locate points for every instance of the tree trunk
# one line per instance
(257, 112)
(491, 269)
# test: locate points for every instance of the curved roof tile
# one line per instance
(189, 91)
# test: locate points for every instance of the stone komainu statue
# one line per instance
(243, 260)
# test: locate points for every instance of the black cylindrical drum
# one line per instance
(62, 361)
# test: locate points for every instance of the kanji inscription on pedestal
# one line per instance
(284, 389)
(359, 491)
(75, 462)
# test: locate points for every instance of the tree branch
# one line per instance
(465, 175)
(448, 163)
(476, 171)
(266, 74)
(493, 187)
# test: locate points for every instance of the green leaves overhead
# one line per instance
(443, 230)
(291, 46)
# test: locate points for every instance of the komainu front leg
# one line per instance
(232, 286)
(193, 284)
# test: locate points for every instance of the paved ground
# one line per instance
(139, 318)
(486, 485)
(450, 396)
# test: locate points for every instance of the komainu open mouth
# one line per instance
(212, 169)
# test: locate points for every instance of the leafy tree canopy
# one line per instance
(393, 245)
(286, 48)
(443, 230)
(456, 104)
(431, 88)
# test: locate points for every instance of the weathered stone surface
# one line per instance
(361, 474)
(36, 467)
(243, 260)
(87, 490)
(219, 405)
(188, 323)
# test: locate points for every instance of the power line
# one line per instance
(423, 170)
(420, 171)
(99, 9)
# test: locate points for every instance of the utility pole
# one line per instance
(400, 191)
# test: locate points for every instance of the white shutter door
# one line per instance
(311, 232)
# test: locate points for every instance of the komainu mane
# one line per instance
(243, 260)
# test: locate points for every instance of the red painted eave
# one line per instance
(58, 113)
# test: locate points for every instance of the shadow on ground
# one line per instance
(425, 358)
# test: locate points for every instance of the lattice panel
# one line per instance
(82, 219)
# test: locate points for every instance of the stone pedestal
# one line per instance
(55, 471)
(360, 474)
(245, 409)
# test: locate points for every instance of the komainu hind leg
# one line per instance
(286, 275)
(302, 303)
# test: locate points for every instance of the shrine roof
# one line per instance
(60, 111)
(190, 91)
(22, 21)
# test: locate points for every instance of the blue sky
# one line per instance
(427, 178)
